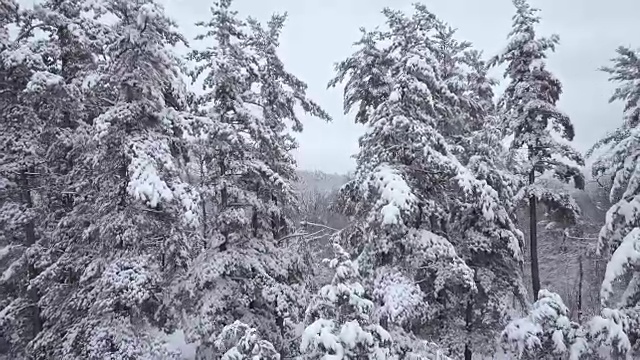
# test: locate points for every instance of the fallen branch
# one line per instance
(305, 223)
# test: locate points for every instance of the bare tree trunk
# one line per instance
(580, 277)
(533, 233)
(30, 239)
(468, 355)
(224, 203)
(29, 229)
(204, 203)
(468, 319)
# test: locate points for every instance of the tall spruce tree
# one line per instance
(339, 321)
(102, 272)
(409, 180)
(545, 333)
(21, 159)
(491, 249)
(619, 238)
(536, 124)
(252, 269)
(279, 93)
(44, 76)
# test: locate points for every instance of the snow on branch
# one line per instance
(339, 323)
(151, 164)
(545, 331)
(401, 298)
(559, 203)
(626, 255)
(239, 341)
(607, 333)
(395, 194)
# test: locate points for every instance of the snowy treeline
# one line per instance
(150, 206)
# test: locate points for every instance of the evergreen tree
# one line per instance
(493, 249)
(605, 337)
(240, 342)
(252, 269)
(44, 78)
(339, 321)
(409, 179)
(451, 55)
(536, 124)
(101, 277)
(619, 237)
(279, 92)
(223, 153)
(545, 333)
(21, 159)
(485, 154)
(489, 248)
(401, 144)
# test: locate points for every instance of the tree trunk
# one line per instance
(580, 277)
(468, 355)
(468, 318)
(533, 233)
(224, 203)
(30, 239)
(204, 203)
(29, 228)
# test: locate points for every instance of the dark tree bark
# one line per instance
(25, 192)
(580, 277)
(468, 319)
(533, 237)
(204, 204)
(467, 352)
(30, 239)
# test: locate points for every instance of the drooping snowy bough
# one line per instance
(620, 236)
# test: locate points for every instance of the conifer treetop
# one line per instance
(529, 102)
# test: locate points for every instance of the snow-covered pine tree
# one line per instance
(536, 124)
(41, 77)
(219, 148)
(619, 238)
(400, 224)
(49, 70)
(340, 323)
(490, 248)
(250, 270)
(238, 341)
(493, 249)
(21, 159)
(101, 282)
(450, 54)
(71, 40)
(485, 154)
(279, 90)
(545, 333)
(408, 180)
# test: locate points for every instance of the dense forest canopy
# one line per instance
(151, 206)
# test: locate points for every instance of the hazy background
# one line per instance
(321, 32)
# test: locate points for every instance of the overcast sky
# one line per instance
(319, 33)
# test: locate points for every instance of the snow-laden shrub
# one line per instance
(339, 325)
(238, 341)
(546, 332)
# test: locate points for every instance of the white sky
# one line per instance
(319, 33)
